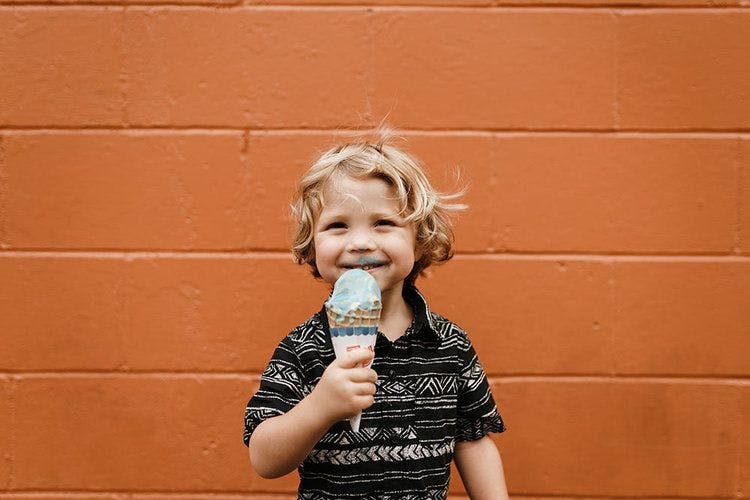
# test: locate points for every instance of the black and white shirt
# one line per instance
(431, 393)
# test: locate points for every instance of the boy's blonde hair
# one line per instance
(419, 202)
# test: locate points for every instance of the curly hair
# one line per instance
(419, 202)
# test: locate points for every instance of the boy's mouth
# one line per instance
(365, 264)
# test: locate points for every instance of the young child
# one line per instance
(426, 400)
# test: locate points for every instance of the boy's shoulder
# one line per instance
(311, 330)
(446, 329)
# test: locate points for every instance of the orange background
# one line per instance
(147, 156)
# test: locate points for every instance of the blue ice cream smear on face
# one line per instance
(366, 261)
(355, 289)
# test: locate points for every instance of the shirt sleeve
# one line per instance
(477, 412)
(281, 388)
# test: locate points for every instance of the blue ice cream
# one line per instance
(355, 289)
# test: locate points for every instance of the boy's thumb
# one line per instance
(355, 357)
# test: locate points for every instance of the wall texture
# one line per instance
(147, 155)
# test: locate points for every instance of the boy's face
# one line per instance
(359, 227)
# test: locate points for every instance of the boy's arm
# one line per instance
(278, 445)
(481, 469)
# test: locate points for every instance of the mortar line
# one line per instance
(131, 255)
(684, 379)
(13, 433)
(399, 7)
(252, 376)
(135, 130)
(119, 374)
(290, 495)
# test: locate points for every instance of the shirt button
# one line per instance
(391, 373)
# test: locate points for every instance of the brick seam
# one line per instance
(739, 452)
(635, 6)
(283, 496)
(251, 377)
(169, 130)
(274, 254)
(13, 432)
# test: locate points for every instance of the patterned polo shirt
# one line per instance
(431, 393)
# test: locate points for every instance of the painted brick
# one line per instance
(495, 69)
(223, 3)
(65, 496)
(537, 316)
(145, 496)
(620, 438)
(7, 405)
(545, 194)
(591, 194)
(610, 316)
(150, 314)
(743, 463)
(54, 74)
(555, 497)
(104, 190)
(93, 431)
(743, 225)
(575, 194)
(644, 438)
(278, 161)
(635, 3)
(683, 70)
(279, 68)
(500, 3)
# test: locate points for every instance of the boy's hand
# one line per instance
(346, 388)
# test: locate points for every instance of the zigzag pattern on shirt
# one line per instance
(426, 495)
(369, 435)
(471, 376)
(393, 387)
(444, 328)
(435, 386)
(414, 451)
(481, 427)
(278, 370)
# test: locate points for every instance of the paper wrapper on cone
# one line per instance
(359, 330)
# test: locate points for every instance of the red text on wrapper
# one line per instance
(357, 346)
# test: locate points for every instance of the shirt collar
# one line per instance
(422, 315)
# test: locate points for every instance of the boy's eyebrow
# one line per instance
(385, 215)
(333, 214)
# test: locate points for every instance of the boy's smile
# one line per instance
(360, 227)
(366, 264)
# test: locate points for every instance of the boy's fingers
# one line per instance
(364, 375)
(354, 358)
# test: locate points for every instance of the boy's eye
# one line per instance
(335, 225)
(385, 222)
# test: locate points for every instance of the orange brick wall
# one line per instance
(147, 155)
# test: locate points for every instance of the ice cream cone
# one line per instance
(353, 316)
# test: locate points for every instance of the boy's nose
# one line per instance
(360, 241)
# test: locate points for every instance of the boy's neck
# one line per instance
(396, 315)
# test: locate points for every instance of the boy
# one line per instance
(426, 400)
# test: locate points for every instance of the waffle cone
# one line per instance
(358, 317)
